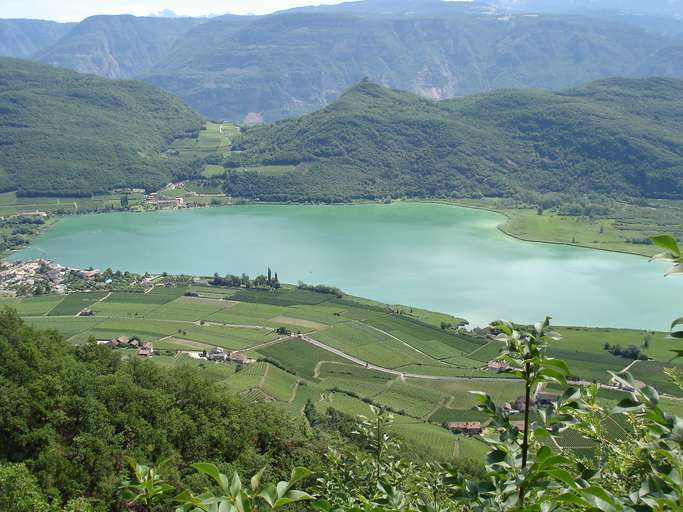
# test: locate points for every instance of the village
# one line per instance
(43, 277)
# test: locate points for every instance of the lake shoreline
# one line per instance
(435, 255)
(503, 227)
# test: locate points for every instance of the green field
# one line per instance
(293, 371)
(621, 229)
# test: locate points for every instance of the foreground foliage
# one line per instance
(73, 415)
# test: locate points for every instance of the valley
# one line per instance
(371, 256)
(351, 352)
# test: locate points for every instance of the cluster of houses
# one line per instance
(26, 276)
(473, 428)
(220, 355)
(144, 348)
(163, 202)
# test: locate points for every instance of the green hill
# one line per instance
(619, 137)
(63, 133)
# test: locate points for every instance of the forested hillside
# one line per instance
(619, 137)
(72, 415)
(68, 134)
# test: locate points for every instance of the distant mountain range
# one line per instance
(297, 61)
(617, 137)
(665, 8)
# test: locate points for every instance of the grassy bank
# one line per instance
(625, 229)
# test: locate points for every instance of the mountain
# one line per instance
(618, 136)
(297, 61)
(116, 46)
(394, 8)
(287, 64)
(63, 133)
(664, 17)
(669, 8)
(23, 38)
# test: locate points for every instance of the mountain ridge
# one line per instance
(618, 137)
(292, 62)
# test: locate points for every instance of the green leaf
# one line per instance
(651, 394)
(235, 485)
(557, 363)
(563, 476)
(627, 405)
(667, 242)
(599, 498)
(269, 494)
(551, 374)
(299, 473)
(292, 497)
(281, 488)
(256, 480)
(495, 456)
(209, 469)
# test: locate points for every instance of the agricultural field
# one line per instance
(349, 334)
(623, 229)
(214, 138)
(10, 204)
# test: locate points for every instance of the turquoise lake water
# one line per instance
(438, 257)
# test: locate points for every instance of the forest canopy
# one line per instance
(616, 137)
(68, 134)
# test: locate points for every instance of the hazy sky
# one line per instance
(76, 10)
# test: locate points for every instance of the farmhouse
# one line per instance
(217, 354)
(540, 399)
(466, 427)
(497, 365)
(238, 357)
(147, 349)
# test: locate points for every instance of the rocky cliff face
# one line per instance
(294, 62)
(23, 38)
(116, 46)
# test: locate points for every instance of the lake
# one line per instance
(439, 257)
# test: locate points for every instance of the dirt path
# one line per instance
(296, 388)
(400, 375)
(220, 324)
(263, 379)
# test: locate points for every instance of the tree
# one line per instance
(270, 276)
(19, 490)
(124, 202)
(311, 413)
